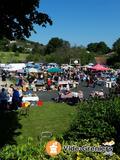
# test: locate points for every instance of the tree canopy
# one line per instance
(56, 43)
(116, 46)
(100, 48)
(18, 17)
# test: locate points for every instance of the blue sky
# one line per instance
(80, 21)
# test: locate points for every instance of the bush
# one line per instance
(117, 65)
(31, 152)
(97, 119)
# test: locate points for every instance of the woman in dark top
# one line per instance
(3, 99)
(16, 99)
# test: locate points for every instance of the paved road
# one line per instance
(48, 95)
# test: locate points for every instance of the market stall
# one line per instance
(99, 67)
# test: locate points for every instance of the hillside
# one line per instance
(19, 45)
(18, 50)
(8, 57)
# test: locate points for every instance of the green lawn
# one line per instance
(6, 57)
(52, 117)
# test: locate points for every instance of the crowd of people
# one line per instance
(13, 92)
(63, 82)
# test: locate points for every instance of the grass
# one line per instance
(53, 117)
(6, 57)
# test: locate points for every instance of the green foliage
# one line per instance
(14, 48)
(99, 48)
(114, 61)
(117, 65)
(12, 57)
(62, 55)
(38, 49)
(21, 152)
(97, 119)
(18, 19)
(4, 44)
(34, 57)
(92, 47)
(51, 58)
(56, 43)
(20, 49)
(57, 50)
(17, 54)
(116, 46)
(101, 111)
(30, 151)
(87, 58)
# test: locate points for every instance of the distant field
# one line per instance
(6, 57)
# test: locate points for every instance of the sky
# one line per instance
(80, 21)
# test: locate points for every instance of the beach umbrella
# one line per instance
(54, 70)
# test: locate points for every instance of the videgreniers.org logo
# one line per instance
(107, 150)
(53, 148)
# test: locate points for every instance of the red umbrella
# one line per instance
(99, 67)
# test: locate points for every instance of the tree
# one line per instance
(62, 55)
(100, 48)
(92, 47)
(4, 44)
(20, 49)
(114, 60)
(56, 43)
(36, 48)
(116, 46)
(18, 17)
(14, 48)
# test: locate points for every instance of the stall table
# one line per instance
(27, 99)
(30, 98)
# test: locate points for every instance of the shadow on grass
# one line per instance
(9, 123)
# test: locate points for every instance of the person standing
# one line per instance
(88, 80)
(49, 82)
(3, 76)
(94, 81)
(20, 81)
(10, 90)
(16, 98)
(3, 99)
